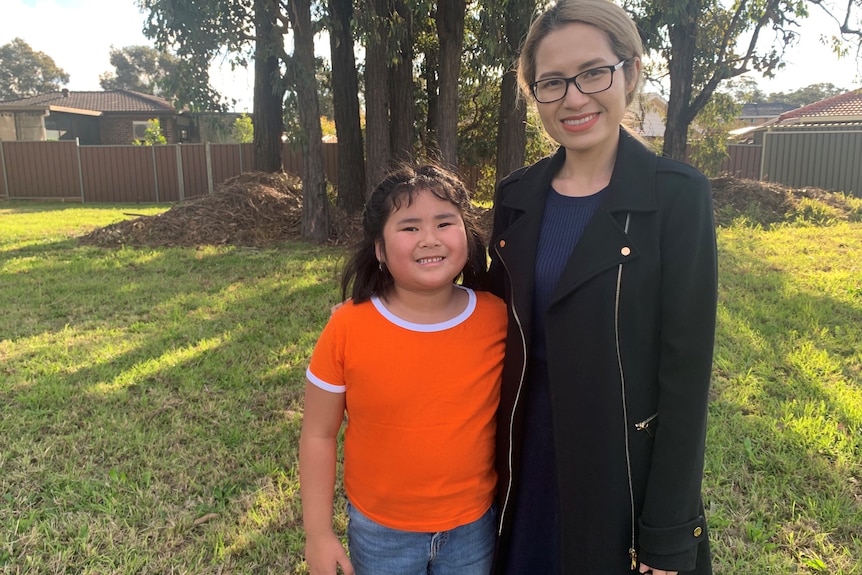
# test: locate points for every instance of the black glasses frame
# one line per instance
(574, 80)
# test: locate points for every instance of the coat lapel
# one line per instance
(605, 243)
(516, 245)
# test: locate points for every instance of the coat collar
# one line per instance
(629, 191)
(604, 243)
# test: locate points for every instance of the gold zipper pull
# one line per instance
(634, 555)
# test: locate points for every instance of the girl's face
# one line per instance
(582, 122)
(424, 245)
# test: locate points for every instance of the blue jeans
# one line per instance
(379, 550)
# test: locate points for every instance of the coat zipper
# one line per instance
(511, 431)
(644, 425)
(633, 554)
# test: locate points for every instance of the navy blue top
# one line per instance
(535, 543)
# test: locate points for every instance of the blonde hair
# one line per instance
(622, 34)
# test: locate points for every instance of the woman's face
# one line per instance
(582, 122)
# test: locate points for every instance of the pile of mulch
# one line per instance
(768, 203)
(260, 209)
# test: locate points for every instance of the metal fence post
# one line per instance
(5, 177)
(155, 172)
(209, 157)
(180, 172)
(80, 170)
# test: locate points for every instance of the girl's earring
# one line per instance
(380, 266)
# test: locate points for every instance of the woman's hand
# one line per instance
(647, 569)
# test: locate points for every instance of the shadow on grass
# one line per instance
(161, 381)
(782, 476)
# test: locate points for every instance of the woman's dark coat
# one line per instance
(630, 332)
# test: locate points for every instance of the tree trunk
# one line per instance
(345, 91)
(315, 208)
(402, 103)
(512, 130)
(450, 31)
(430, 66)
(268, 90)
(683, 38)
(376, 95)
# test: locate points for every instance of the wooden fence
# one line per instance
(65, 171)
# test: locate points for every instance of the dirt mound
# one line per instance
(769, 203)
(258, 209)
(252, 209)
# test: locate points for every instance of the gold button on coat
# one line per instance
(502, 243)
(698, 531)
(626, 250)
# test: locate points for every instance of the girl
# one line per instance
(606, 257)
(415, 361)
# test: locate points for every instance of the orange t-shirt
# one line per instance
(421, 402)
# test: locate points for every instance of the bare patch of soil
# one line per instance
(259, 209)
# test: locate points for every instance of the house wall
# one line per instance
(7, 127)
(117, 130)
(22, 126)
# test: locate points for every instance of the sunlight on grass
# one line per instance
(153, 365)
(152, 399)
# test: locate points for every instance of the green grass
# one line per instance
(151, 399)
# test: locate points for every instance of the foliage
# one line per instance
(745, 90)
(708, 147)
(143, 69)
(807, 95)
(198, 32)
(152, 399)
(698, 44)
(25, 72)
(152, 135)
(242, 130)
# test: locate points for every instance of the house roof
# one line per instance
(110, 101)
(843, 107)
(766, 109)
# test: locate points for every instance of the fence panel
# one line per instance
(227, 161)
(114, 174)
(166, 174)
(743, 161)
(814, 157)
(195, 182)
(42, 171)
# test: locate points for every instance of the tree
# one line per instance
(152, 135)
(242, 130)
(25, 72)
(345, 88)
(807, 95)
(504, 24)
(450, 32)
(142, 69)
(315, 209)
(199, 31)
(697, 43)
(375, 24)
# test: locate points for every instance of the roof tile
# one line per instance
(847, 104)
(104, 101)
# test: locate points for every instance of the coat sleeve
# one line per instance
(672, 523)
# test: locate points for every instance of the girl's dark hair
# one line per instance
(363, 276)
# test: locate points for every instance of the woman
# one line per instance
(606, 256)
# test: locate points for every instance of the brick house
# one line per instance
(110, 117)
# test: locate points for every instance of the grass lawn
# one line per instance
(151, 399)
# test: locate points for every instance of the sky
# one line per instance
(78, 35)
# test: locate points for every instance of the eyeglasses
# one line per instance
(590, 81)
